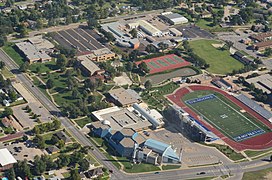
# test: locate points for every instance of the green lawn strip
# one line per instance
(18, 102)
(6, 73)
(13, 54)
(257, 153)
(256, 174)
(220, 61)
(168, 167)
(205, 178)
(83, 122)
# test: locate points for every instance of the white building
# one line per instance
(6, 159)
(173, 18)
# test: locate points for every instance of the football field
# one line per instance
(224, 115)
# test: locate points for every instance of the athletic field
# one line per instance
(224, 115)
(164, 63)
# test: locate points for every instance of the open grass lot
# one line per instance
(224, 115)
(257, 174)
(220, 61)
(155, 96)
(207, 25)
(13, 54)
(83, 122)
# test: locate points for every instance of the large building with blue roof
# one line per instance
(164, 153)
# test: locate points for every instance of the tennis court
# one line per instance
(164, 63)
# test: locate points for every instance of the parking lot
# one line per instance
(193, 154)
(37, 108)
(81, 39)
(191, 32)
(20, 151)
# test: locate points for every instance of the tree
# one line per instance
(10, 173)
(8, 111)
(61, 144)
(61, 61)
(63, 160)
(129, 66)
(24, 67)
(75, 175)
(268, 52)
(150, 48)
(40, 141)
(133, 33)
(56, 124)
(148, 84)
(49, 84)
(2, 64)
(40, 166)
(84, 165)
(12, 95)
(54, 139)
(133, 55)
(92, 23)
(163, 46)
(143, 67)
(228, 44)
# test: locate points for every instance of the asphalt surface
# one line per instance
(191, 32)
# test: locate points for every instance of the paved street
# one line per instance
(175, 174)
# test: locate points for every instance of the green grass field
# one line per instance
(222, 115)
(220, 61)
(13, 54)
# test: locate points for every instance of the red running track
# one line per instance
(262, 141)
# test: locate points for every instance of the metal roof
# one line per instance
(256, 107)
(164, 149)
(6, 157)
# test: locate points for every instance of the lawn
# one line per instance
(226, 118)
(257, 174)
(155, 97)
(168, 167)
(220, 61)
(43, 67)
(13, 54)
(207, 25)
(6, 73)
(256, 153)
(83, 122)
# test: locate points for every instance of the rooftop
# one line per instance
(41, 43)
(120, 118)
(90, 66)
(263, 82)
(127, 142)
(123, 96)
(31, 52)
(6, 157)
(149, 27)
(262, 36)
(263, 44)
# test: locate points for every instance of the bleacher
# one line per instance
(256, 107)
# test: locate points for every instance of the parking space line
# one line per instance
(84, 38)
(90, 36)
(65, 39)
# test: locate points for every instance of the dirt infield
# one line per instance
(158, 78)
(255, 143)
(163, 63)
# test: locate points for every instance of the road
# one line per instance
(231, 168)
